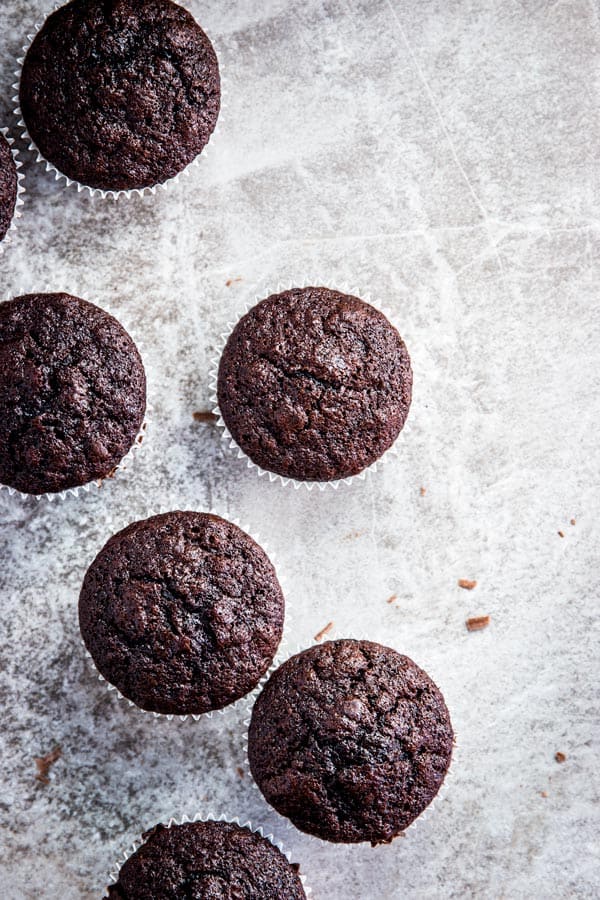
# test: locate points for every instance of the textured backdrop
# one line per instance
(443, 157)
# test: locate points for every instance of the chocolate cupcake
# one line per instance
(207, 861)
(314, 385)
(182, 613)
(72, 393)
(351, 741)
(120, 94)
(9, 183)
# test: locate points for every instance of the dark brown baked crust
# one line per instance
(8, 186)
(350, 740)
(207, 861)
(120, 94)
(72, 393)
(314, 384)
(182, 612)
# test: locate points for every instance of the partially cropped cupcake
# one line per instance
(207, 861)
(8, 186)
(182, 613)
(72, 393)
(351, 741)
(120, 94)
(314, 385)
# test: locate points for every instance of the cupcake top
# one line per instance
(350, 740)
(314, 384)
(207, 861)
(72, 393)
(182, 613)
(8, 186)
(120, 94)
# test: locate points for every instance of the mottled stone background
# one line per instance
(443, 156)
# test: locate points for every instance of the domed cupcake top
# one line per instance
(120, 94)
(314, 384)
(182, 613)
(350, 740)
(72, 393)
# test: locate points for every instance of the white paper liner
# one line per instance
(280, 653)
(287, 823)
(70, 182)
(140, 439)
(206, 817)
(267, 290)
(8, 237)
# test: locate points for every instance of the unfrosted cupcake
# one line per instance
(207, 861)
(8, 186)
(120, 95)
(182, 613)
(314, 385)
(350, 740)
(72, 393)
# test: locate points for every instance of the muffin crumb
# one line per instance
(204, 416)
(231, 281)
(423, 491)
(561, 534)
(560, 757)
(573, 521)
(45, 763)
(477, 623)
(466, 584)
(324, 632)
(392, 599)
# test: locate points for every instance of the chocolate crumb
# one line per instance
(477, 623)
(324, 631)
(561, 534)
(45, 763)
(543, 793)
(466, 584)
(231, 281)
(560, 757)
(573, 521)
(206, 416)
(423, 491)
(393, 598)
(240, 771)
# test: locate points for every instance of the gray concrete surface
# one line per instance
(443, 156)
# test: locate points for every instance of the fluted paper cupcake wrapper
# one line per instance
(207, 817)
(286, 823)
(127, 461)
(280, 654)
(99, 193)
(267, 290)
(9, 236)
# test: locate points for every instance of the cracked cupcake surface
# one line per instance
(314, 384)
(72, 393)
(182, 613)
(8, 186)
(350, 740)
(120, 94)
(207, 861)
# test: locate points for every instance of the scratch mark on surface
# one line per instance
(449, 141)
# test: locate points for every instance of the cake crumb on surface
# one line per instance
(204, 416)
(573, 521)
(231, 281)
(45, 763)
(323, 632)
(561, 534)
(422, 491)
(543, 793)
(477, 623)
(240, 771)
(392, 599)
(467, 584)
(560, 757)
